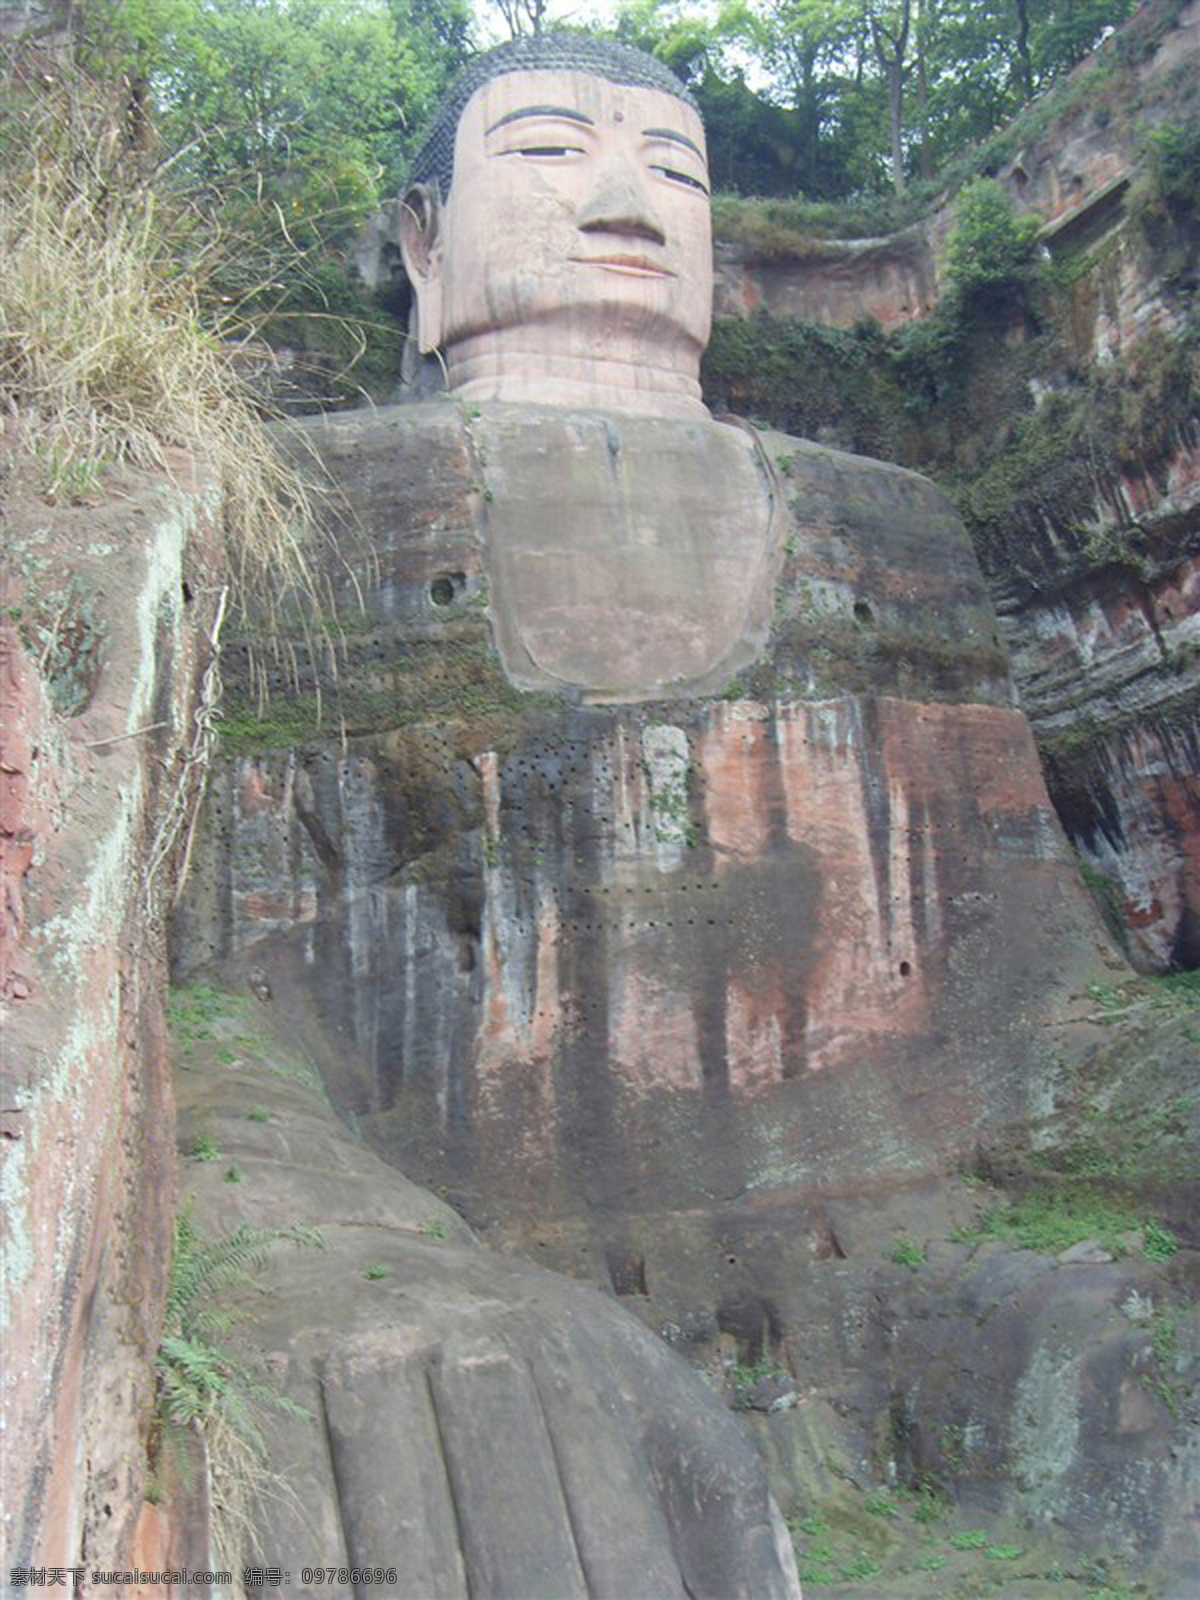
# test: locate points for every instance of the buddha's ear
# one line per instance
(421, 214)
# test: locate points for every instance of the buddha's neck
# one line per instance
(518, 365)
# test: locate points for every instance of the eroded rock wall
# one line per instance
(478, 1425)
(1068, 429)
(699, 999)
(667, 954)
(88, 1149)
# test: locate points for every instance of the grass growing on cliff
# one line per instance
(1053, 1218)
(106, 358)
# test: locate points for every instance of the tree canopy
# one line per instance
(319, 102)
(829, 98)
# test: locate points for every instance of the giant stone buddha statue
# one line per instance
(676, 873)
(558, 239)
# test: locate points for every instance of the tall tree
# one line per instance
(804, 44)
(1023, 67)
(521, 17)
(926, 32)
(889, 36)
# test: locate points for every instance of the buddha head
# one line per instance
(556, 230)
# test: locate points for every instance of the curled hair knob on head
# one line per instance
(546, 52)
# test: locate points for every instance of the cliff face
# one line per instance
(1068, 430)
(1067, 160)
(667, 960)
(98, 679)
(700, 998)
(660, 950)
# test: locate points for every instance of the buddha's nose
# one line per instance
(619, 204)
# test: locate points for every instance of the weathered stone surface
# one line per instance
(1094, 578)
(623, 573)
(1106, 659)
(670, 954)
(893, 279)
(1058, 1407)
(683, 997)
(485, 1427)
(46, 22)
(87, 1152)
(563, 253)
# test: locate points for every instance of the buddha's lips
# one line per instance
(636, 266)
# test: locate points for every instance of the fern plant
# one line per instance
(201, 1386)
(197, 1379)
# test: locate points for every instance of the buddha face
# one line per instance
(578, 216)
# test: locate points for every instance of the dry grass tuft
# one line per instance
(105, 356)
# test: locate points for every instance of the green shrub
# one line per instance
(907, 1253)
(970, 1539)
(990, 251)
(1160, 1244)
(880, 1504)
(1170, 179)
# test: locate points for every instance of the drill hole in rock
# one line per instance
(447, 587)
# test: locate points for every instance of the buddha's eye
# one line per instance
(547, 150)
(675, 176)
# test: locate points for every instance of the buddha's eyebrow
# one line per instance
(669, 133)
(542, 111)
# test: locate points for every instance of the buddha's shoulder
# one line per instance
(819, 468)
(445, 436)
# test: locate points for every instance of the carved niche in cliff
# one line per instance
(762, 892)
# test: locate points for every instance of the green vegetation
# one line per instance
(1168, 1380)
(1118, 1133)
(1052, 1218)
(807, 379)
(376, 1272)
(433, 1228)
(203, 1149)
(971, 1539)
(106, 356)
(879, 1503)
(194, 1009)
(824, 1565)
(1036, 466)
(201, 1384)
(991, 253)
(881, 1540)
(1060, 463)
(283, 126)
(202, 1016)
(929, 1504)
(842, 115)
(746, 1374)
(1160, 1244)
(453, 680)
(1164, 199)
(907, 1253)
